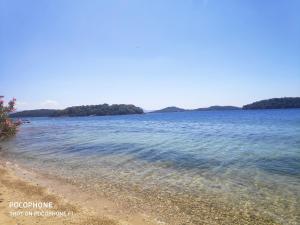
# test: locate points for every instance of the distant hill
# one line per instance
(122, 109)
(169, 109)
(217, 107)
(176, 109)
(100, 110)
(35, 113)
(275, 103)
(88, 110)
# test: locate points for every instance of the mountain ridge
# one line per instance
(123, 109)
(85, 110)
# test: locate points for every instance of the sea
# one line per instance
(224, 161)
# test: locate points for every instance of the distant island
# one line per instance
(176, 109)
(275, 103)
(218, 107)
(88, 110)
(122, 109)
(34, 113)
(169, 109)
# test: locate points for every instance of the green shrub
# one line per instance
(8, 127)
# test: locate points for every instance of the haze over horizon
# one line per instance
(152, 54)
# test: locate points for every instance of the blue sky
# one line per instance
(157, 53)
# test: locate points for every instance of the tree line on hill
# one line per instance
(87, 110)
(275, 103)
(122, 109)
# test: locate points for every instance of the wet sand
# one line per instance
(116, 206)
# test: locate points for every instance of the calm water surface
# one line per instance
(248, 157)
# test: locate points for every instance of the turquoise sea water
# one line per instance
(249, 157)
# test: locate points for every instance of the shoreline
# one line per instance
(70, 204)
(150, 208)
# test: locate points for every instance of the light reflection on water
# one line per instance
(244, 155)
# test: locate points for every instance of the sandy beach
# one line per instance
(69, 206)
(84, 208)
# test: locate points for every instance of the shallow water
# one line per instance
(250, 159)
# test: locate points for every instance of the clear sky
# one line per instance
(156, 53)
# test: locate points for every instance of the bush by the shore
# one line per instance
(8, 127)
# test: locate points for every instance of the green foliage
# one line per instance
(8, 127)
(275, 103)
(99, 110)
(34, 113)
(88, 110)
